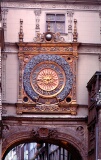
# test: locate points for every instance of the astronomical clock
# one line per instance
(47, 75)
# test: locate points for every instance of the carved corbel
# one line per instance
(4, 12)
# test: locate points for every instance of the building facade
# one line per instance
(51, 50)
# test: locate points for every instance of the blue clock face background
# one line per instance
(42, 61)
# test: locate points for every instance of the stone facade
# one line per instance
(24, 24)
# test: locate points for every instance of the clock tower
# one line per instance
(47, 75)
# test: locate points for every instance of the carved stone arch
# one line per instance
(14, 138)
(75, 144)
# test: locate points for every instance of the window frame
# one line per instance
(55, 21)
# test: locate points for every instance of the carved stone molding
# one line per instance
(70, 13)
(9, 48)
(44, 133)
(44, 5)
(52, 108)
(37, 12)
(4, 12)
(89, 49)
(56, 38)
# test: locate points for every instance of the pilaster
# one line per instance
(70, 23)
(37, 19)
(4, 56)
(4, 12)
(100, 23)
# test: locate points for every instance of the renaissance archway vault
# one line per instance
(20, 131)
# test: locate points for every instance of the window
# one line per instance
(56, 22)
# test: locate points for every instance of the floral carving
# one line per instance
(44, 133)
(55, 38)
(51, 5)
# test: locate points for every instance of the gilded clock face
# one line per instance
(47, 79)
(47, 76)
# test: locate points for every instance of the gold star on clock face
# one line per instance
(47, 79)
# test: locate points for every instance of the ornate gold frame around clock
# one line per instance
(49, 96)
(57, 46)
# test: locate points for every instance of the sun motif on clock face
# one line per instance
(47, 79)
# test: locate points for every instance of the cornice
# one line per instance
(81, 44)
(84, 48)
(59, 1)
(89, 48)
(43, 119)
(65, 4)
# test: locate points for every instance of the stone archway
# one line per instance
(22, 134)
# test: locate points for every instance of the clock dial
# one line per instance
(47, 76)
(47, 79)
